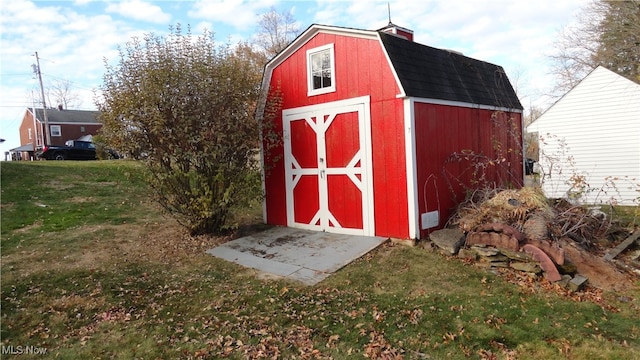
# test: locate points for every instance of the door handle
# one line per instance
(321, 174)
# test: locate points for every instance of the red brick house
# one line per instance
(382, 135)
(63, 125)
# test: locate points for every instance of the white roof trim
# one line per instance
(310, 33)
(464, 104)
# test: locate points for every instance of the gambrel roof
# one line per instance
(432, 73)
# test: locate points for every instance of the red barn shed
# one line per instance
(381, 135)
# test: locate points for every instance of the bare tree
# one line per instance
(607, 33)
(63, 95)
(619, 38)
(574, 50)
(275, 31)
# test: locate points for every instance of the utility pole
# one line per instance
(44, 104)
(35, 123)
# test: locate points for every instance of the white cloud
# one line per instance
(231, 12)
(139, 10)
(242, 15)
(200, 27)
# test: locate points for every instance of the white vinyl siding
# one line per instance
(599, 121)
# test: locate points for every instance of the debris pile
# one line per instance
(522, 230)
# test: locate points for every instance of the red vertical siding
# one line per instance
(274, 180)
(345, 201)
(306, 206)
(458, 149)
(390, 173)
(361, 69)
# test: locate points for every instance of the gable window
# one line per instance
(321, 74)
(55, 130)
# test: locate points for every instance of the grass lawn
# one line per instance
(92, 269)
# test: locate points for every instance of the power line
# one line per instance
(75, 83)
(16, 74)
(16, 106)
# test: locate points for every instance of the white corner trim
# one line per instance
(412, 183)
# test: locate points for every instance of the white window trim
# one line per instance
(59, 132)
(310, 90)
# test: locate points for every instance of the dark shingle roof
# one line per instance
(427, 72)
(55, 116)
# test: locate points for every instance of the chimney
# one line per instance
(398, 31)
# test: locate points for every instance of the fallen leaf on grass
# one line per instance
(332, 341)
(380, 348)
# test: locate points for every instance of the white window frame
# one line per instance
(310, 90)
(29, 131)
(56, 130)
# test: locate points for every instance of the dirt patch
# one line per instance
(100, 183)
(103, 246)
(166, 242)
(48, 255)
(170, 242)
(81, 199)
(601, 273)
(28, 228)
(7, 206)
(60, 185)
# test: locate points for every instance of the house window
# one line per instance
(55, 130)
(321, 72)
(29, 130)
(81, 128)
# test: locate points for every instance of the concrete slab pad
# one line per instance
(301, 255)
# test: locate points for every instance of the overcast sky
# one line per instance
(73, 38)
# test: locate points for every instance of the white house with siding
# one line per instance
(590, 141)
